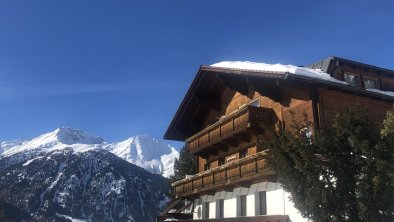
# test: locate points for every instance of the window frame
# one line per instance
(207, 166)
(205, 210)
(243, 206)
(371, 78)
(221, 161)
(255, 102)
(262, 203)
(220, 208)
(353, 74)
(243, 153)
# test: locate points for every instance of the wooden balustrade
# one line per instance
(244, 169)
(245, 118)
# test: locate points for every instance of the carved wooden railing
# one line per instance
(244, 118)
(242, 170)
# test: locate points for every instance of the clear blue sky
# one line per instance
(121, 68)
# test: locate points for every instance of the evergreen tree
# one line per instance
(186, 164)
(342, 173)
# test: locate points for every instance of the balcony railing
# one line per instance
(265, 218)
(243, 119)
(242, 170)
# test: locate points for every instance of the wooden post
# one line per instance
(255, 162)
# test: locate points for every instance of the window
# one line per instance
(243, 153)
(352, 79)
(371, 83)
(221, 161)
(242, 205)
(220, 208)
(262, 203)
(255, 102)
(207, 166)
(205, 210)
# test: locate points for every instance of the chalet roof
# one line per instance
(328, 63)
(294, 72)
(315, 75)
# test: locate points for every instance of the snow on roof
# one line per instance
(291, 69)
(388, 93)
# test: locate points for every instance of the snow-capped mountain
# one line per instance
(144, 151)
(147, 153)
(70, 175)
(9, 144)
(95, 185)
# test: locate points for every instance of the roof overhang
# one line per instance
(175, 133)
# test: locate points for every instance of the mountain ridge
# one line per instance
(95, 185)
(142, 150)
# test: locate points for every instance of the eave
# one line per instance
(173, 133)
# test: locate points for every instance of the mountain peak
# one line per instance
(143, 146)
(142, 150)
(69, 136)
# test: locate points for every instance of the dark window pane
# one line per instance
(262, 203)
(206, 215)
(242, 205)
(255, 102)
(371, 83)
(221, 208)
(243, 153)
(352, 79)
(207, 166)
(221, 161)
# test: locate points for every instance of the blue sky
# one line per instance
(121, 68)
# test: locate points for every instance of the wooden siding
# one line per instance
(333, 102)
(237, 101)
(386, 82)
(296, 103)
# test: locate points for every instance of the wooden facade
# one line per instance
(226, 111)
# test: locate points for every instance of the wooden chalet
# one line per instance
(224, 114)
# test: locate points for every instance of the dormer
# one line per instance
(357, 74)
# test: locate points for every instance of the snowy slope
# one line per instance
(147, 153)
(143, 151)
(94, 185)
(5, 145)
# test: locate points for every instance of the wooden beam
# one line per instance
(244, 137)
(315, 112)
(232, 142)
(268, 88)
(236, 83)
(207, 99)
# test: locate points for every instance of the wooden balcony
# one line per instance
(265, 218)
(247, 117)
(246, 169)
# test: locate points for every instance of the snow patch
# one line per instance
(291, 69)
(29, 161)
(71, 218)
(388, 93)
(59, 175)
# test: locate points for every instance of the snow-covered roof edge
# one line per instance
(316, 74)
